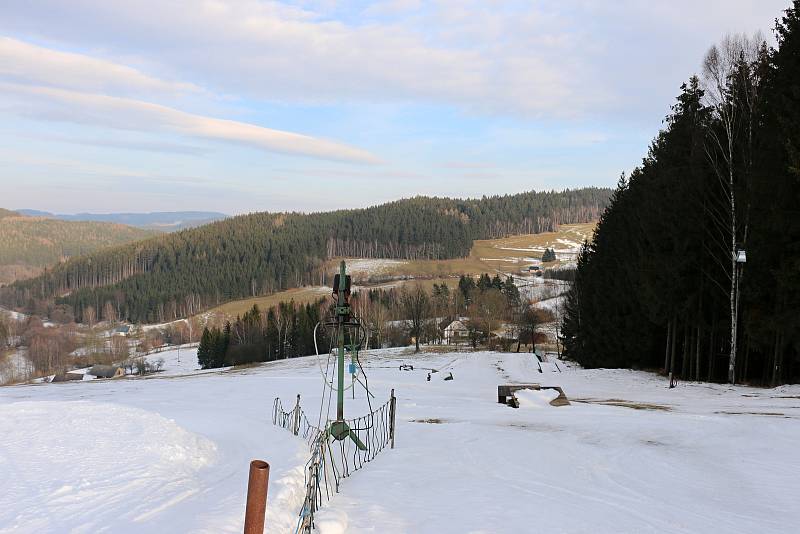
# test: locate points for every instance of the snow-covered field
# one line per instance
(371, 266)
(539, 289)
(169, 453)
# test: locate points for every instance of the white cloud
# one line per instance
(25, 62)
(513, 58)
(272, 51)
(129, 114)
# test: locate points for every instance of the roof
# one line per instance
(104, 371)
(455, 326)
(64, 377)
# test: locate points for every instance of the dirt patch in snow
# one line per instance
(769, 414)
(434, 421)
(625, 404)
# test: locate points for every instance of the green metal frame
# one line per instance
(339, 429)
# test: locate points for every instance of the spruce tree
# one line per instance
(204, 350)
(511, 292)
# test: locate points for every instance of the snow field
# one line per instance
(170, 453)
(372, 266)
(108, 463)
(465, 463)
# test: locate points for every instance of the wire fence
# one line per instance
(334, 460)
(295, 420)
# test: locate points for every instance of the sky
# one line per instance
(248, 105)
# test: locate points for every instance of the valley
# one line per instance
(399, 267)
(508, 256)
(29, 245)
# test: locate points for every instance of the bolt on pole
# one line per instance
(256, 497)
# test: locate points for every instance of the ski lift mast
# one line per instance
(341, 321)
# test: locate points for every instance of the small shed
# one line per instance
(107, 371)
(123, 330)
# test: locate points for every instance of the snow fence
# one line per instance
(333, 460)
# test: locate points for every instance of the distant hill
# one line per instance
(166, 221)
(257, 254)
(28, 245)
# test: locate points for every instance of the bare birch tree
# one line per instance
(721, 65)
(89, 316)
(109, 312)
(416, 306)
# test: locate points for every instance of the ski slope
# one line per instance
(169, 453)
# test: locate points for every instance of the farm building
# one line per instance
(456, 332)
(123, 330)
(107, 371)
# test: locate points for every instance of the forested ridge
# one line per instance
(660, 287)
(37, 242)
(182, 273)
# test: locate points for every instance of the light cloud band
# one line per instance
(130, 114)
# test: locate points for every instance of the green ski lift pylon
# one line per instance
(339, 429)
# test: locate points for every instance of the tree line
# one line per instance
(494, 312)
(284, 331)
(179, 274)
(695, 264)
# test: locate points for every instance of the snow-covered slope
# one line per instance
(170, 453)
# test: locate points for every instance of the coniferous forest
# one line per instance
(284, 331)
(183, 273)
(695, 264)
(29, 244)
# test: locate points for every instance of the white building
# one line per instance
(455, 333)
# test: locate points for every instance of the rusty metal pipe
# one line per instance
(256, 497)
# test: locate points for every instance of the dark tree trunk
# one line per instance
(666, 351)
(672, 350)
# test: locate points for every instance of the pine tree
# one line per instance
(511, 292)
(204, 358)
(219, 348)
(772, 282)
(484, 282)
(466, 284)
